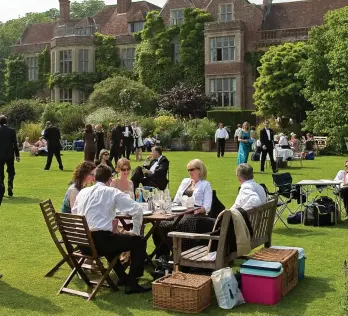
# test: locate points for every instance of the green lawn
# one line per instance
(27, 252)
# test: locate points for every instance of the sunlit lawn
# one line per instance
(27, 252)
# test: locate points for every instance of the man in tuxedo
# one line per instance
(8, 151)
(267, 146)
(128, 139)
(116, 143)
(52, 136)
(155, 174)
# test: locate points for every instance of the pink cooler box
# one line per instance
(262, 282)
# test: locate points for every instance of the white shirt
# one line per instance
(237, 132)
(126, 131)
(340, 177)
(153, 167)
(98, 204)
(283, 141)
(268, 133)
(202, 193)
(221, 133)
(250, 195)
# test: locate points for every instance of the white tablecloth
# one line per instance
(283, 153)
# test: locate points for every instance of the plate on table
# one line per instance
(179, 208)
(147, 213)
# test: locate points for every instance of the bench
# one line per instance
(261, 219)
(321, 142)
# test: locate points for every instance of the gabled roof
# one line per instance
(299, 14)
(37, 33)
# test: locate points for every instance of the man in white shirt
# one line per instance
(342, 175)
(236, 134)
(283, 141)
(98, 204)
(250, 194)
(220, 138)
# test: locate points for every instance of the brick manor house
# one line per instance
(239, 27)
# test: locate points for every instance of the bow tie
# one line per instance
(155, 160)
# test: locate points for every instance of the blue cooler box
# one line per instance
(301, 259)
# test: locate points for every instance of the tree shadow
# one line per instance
(20, 200)
(298, 232)
(15, 299)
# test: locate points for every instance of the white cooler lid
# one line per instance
(301, 252)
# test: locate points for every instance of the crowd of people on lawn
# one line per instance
(96, 193)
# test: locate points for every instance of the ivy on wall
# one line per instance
(44, 63)
(254, 60)
(83, 81)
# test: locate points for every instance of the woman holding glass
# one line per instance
(245, 142)
(199, 188)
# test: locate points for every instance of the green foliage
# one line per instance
(186, 100)
(325, 73)
(19, 111)
(76, 80)
(31, 130)
(278, 88)
(192, 45)
(273, 124)
(106, 58)
(102, 116)
(44, 63)
(231, 118)
(122, 93)
(80, 10)
(254, 60)
(199, 130)
(148, 126)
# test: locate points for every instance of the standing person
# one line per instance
(116, 143)
(220, 138)
(267, 146)
(138, 141)
(245, 141)
(52, 136)
(99, 135)
(108, 136)
(90, 147)
(236, 134)
(128, 139)
(342, 175)
(8, 151)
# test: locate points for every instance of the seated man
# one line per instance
(250, 194)
(283, 142)
(342, 175)
(98, 204)
(154, 174)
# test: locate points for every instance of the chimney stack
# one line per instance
(123, 6)
(64, 8)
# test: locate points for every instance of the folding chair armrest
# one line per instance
(192, 236)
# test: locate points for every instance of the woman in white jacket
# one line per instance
(198, 187)
(138, 141)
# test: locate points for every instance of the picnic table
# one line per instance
(155, 219)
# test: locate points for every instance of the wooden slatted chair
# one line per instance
(75, 232)
(261, 219)
(48, 213)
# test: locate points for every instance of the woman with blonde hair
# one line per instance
(122, 182)
(199, 188)
(104, 160)
(138, 141)
(245, 142)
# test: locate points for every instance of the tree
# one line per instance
(80, 10)
(121, 94)
(278, 88)
(185, 100)
(325, 73)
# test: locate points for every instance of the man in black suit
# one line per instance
(155, 174)
(267, 146)
(54, 146)
(128, 139)
(116, 143)
(8, 151)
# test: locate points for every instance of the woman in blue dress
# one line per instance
(245, 142)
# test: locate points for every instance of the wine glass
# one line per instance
(146, 194)
(167, 205)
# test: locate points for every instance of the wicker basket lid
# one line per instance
(271, 254)
(185, 279)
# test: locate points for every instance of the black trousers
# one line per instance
(264, 153)
(109, 245)
(220, 146)
(115, 153)
(344, 196)
(55, 152)
(10, 169)
(128, 146)
(138, 177)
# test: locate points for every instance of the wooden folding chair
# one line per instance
(48, 213)
(75, 232)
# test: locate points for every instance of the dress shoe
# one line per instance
(136, 289)
(275, 171)
(46, 169)
(10, 192)
(61, 168)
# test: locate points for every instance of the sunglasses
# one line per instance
(125, 169)
(106, 154)
(192, 169)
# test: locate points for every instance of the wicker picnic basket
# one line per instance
(289, 260)
(189, 293)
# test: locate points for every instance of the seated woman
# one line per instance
(200, 189)
(122, 182)
(104, 160)
(342, 175)
(26, 146)
(41, 146)
(83, 175)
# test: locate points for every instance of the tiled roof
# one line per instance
(300, 13)
(38, 33)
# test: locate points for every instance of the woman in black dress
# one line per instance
(99, 134)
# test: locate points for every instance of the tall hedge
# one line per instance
(232, 117)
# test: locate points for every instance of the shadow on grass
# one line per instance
(20, 200)
(15, 299)
(298, 232)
